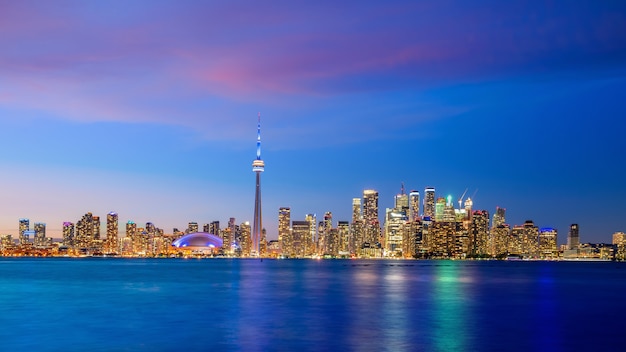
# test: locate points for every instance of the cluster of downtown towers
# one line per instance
(439, 231)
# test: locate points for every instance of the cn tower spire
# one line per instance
(258, 139)
(258, 166)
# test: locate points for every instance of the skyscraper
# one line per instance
(414, 205)
(112, 232)
(402, 201)
(572, 237)
(24, 226)
(499, 217)
(429, 203)
(258, 166)
(284, 223)
(370, 216)
(547, 243)
(68, 234)
(439, 209)
(40, 235)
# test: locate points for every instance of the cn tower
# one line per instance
(258, 166)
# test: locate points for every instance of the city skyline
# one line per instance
(147, 109)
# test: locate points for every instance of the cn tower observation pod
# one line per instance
(199, 240)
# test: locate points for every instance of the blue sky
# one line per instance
(149, 109)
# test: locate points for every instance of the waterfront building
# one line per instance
(619, 242)
(479, 233)
(6, 242)
(370, 216)
(300, 234)
(309, 241)
(573, 239)
(356, 228)
(136, 242)
(112, 243)
(394, 221)
(618, 238)
(68, 234)
(246, 239)
(429, 203)
(523, 240)
(23, 227)
(192, 227)
(40, 235)
(441, 239)
(499, 238)
(127, 246)
(284, 228)
(258, 166)
(86, 231)
(324, 234)
(346, 246)
(414, 205)
(547, 243)
(332, 243)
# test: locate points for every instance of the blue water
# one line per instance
(108, 304)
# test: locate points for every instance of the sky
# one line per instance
(149, 108)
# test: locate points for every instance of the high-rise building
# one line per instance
(136, 245)
(258, 166)
(40, 235)
(68, 234)
(547, 243)
(401, 200)
(284, 222)
(96, 228)
(346, 246)
(356, 209)
(499, 240)
(524, 240)
(86, 229)
(429, 203)
(619, 242)
(414, 205)
(370, 216)
(192, 227)
(499, 218)
(573, 240)
(300, 232)
(246, 240)
(24, 226)
(112, 242)
(479, 233)
(448, 211)
(309, 241)
(439, 207)
(394, 222)
(324, 233)
(619, 238)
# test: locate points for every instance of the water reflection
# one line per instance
(395, 308)
(450, 320)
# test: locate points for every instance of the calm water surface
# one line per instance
(109, 304)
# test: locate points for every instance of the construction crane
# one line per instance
(461, 199)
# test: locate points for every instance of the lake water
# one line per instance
(112, 304)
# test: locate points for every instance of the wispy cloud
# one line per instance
(200, 64)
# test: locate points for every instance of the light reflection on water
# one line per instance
(307, 305)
